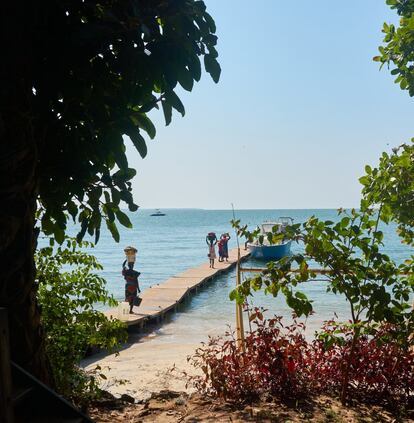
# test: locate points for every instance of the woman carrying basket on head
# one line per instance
(211, 241)
(131, 279)
(224, 239)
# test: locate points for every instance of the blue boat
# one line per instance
(267, 251)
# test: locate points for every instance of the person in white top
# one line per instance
(211, 241)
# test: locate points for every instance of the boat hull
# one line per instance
(269, 252)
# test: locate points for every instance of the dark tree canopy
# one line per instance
(77, 76)
(99, 68)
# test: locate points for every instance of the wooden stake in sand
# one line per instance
(239, 312)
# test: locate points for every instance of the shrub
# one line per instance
(68, 291)
(381, 369)
(350, 252)
(274, 363)
(280, 363)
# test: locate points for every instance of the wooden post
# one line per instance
(6, 406)
(239, 311)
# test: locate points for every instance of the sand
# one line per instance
(145, 365)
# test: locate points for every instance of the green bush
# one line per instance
(68, 292)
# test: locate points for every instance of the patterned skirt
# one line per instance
(131, 292)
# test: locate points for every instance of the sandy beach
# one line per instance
(146, 365)
(152, 362)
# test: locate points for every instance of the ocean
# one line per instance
(170, 244)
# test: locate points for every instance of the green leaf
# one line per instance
(145, 123)
(123, 219)
(301, 296)
(365, 180)
(108, 209)
(173, 99)
(113, 230)
(124, 174)
(232, 295)
(132, 207)
(82, 232)
(185, 79)
(59, 234)
(195, 67)
(212, 67)
(139, 142)
(47, 225)
(120, 158)
(167, 109)
(72, 209)
(97, 235)
(116, 197)
(210, 22)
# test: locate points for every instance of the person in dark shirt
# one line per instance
(225, 240)
(131, 285)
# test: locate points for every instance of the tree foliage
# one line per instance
(350, 251)
(99, 68)
(391, 185)
(398, 48)
(376, 288)
(69, 290)
(77, 78)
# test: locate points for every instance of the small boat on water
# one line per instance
(267, 251)
(158, 213)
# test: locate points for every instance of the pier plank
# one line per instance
(163, 297)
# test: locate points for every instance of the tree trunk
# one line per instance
(18, 162)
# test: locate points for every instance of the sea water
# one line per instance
(170, 244)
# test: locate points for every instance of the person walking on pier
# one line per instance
(131, 285)
(211, 241)
(225, 239)
(220, 246)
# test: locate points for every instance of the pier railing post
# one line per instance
(6, 409)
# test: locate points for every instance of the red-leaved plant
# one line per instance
(279, 362)
(275, 363)
(381, 368)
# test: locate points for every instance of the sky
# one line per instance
(299, 110)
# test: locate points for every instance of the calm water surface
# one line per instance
(173, 243)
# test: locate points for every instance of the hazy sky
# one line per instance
(299, 110)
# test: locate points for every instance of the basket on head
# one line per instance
(211, 236)
(130, 253)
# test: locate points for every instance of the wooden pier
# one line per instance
(161, 298)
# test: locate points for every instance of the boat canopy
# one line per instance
(268, 227)
(281, 223)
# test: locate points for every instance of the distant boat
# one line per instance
(158, 213)
(267, 251)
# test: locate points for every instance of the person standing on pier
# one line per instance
(220, 246)
(131, 285)
(131, 279)
(211, 241)
(225, 239)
